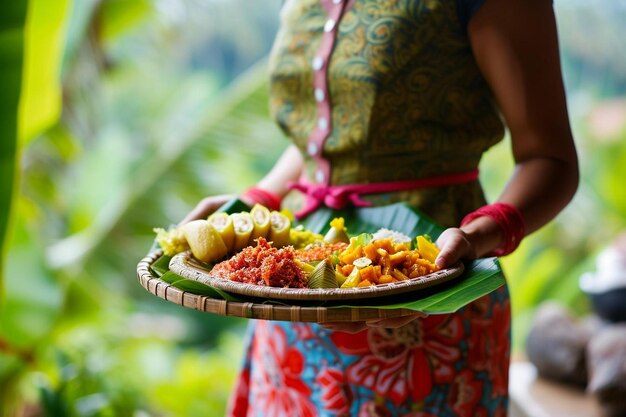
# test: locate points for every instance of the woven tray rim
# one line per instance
(156, 286)
(185, 265)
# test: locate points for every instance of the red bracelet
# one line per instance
(263, 197)
(509, 220)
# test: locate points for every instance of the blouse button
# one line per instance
(322, 123)
(330, 25)
(319, 176)
(319, 95)
(318, 63)
(312, 149)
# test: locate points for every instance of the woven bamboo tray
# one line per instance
(252, 310)
(185, 265)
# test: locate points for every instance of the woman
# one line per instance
(399, 99)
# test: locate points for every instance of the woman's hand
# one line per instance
(473, 240)
(207, 206)
(455, 245)
(357, 326)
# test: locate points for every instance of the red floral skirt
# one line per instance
(439, 366)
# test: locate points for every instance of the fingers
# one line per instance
(205, 207)
(357, 326)
(201, 211)
(395, 322)
(454, 246)
(346, 327)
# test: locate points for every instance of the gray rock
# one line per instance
(606, 364)
(556, 345)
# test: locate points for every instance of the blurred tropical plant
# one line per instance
(12, 28)
(140, 140)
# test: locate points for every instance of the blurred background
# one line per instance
(130, 111)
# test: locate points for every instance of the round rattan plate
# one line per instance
(185, 265)
(251, 310)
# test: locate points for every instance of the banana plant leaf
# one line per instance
(481, 276)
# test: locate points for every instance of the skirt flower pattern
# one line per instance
(451, 365)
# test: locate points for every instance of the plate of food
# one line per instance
(259, 253)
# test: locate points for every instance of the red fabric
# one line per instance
(263, 197)
(338, 196)
(509, 220)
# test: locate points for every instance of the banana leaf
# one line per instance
(12, 22)
(481, 276)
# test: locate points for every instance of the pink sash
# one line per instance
(338, 196)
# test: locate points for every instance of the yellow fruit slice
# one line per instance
(353, 279)
(205, 242)
(243, 225)
(280, 225)
(427, 249)
(261, 218)
(223, 223)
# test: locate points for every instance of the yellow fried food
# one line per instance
(172, 241)
(384, 261)
(300, 237)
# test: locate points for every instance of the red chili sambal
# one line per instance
(263, 265)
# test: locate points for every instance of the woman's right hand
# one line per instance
(207, 206)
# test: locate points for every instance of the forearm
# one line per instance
(288, 168)
(516, 47)
(539, 188)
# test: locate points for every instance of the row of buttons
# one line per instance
(314, 149)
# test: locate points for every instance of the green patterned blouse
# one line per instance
(403, 92)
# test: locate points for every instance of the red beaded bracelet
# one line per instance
(263, 197)
(509, 220)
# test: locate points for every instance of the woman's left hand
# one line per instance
(455, 245)
(473, 240)
(357, 326)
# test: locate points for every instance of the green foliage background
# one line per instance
(129, 112)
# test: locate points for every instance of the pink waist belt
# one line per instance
(338, 196)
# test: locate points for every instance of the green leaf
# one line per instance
(31, 39)
(170, 277)
(399, 217)
(40, 106)
(363, 239)
(118, 16)
(161, 266)
(12, 22)
(480, 278)
(33, 296)
(198, 287)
